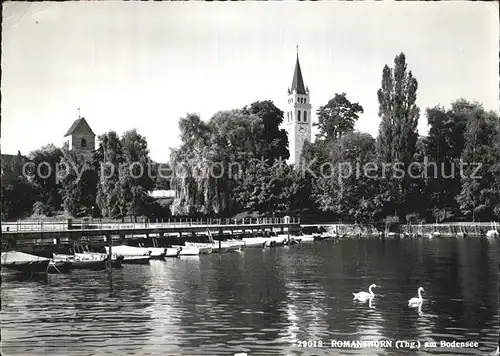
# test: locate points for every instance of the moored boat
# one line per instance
(329, 235)
(89, 260)
(131, 254)
(188, 250)
(275, 241)
(254, 241)
(157, 253)
(491, 234)
(234, 245)
(301, 237)
(203, 247)
(24, 263)
(136, 260)
(171, 252)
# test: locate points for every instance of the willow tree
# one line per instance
(194, 134)
(213, 157)
(396, 142)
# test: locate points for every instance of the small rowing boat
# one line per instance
(187, 250)
(89, 260)
(131, 255)
(24, 263)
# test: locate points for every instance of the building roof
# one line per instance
(79, 123)
(298, 81)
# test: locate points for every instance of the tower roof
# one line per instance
(80, 124)
(298, 81)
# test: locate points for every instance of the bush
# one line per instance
(41, 208)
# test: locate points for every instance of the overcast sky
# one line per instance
(144, 65)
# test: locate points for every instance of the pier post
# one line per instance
(110, 245)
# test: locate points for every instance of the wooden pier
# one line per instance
(15, 234)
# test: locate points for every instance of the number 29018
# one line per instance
(310, 343)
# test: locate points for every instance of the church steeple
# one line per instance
(298, 115)
(298, 81)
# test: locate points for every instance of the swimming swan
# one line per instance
(365, 295)
(416, 301)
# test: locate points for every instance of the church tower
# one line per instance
(80, 137)
(298, 115)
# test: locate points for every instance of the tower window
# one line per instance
(83, 143)
(298, 115)
(305, 116)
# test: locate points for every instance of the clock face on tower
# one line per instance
(302, 129)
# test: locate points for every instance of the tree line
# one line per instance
(234, 164)
(105, 183)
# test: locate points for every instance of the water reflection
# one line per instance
(263, 302)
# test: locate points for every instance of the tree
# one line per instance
(78, 188)
(109, 157)
(479, 195)
(273, 140)
(135, 173)
(443, 147)
(342, 186)
(337, 117)
(43, 176)
(399, 118)
(18, 198)
(214, 156)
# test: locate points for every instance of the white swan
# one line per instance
(365, 295)
(416, 301)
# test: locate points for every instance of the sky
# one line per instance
(144, 65)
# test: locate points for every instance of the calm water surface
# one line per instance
(263, 302)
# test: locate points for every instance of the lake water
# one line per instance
(264, 302)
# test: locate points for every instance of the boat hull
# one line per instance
(27, 267)
(254, 241)
(188, 251)
(157, 253)
(24, 263)
(89, 260)
(171, 252)
(136, 260)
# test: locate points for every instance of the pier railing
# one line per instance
(101, 224)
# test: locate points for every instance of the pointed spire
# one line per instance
(78, 113)
(298, 81)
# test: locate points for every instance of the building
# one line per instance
(80, 136)
(298, 115)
